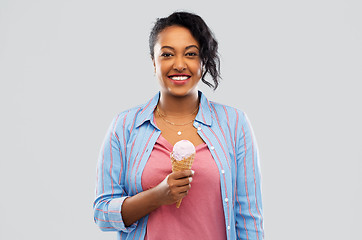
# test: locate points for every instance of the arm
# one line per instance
(110, 190)
(174, 187)
(114, 210)
(248, 205)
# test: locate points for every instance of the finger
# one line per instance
(182, 194)
(179, 174)
(182, 182)
(177, 192)
(184, 189)
(182, 174)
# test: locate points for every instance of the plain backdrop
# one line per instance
(68, 67)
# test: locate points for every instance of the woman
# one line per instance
(136, 190)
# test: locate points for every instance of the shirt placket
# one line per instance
(221, 163)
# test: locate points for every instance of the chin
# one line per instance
(181, 92)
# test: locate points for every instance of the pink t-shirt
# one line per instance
(200, 215)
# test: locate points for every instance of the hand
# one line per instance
(174, 187)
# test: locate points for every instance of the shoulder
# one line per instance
(227, 113)
(234, 122)
(127, 118)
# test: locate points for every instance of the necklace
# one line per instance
(164, 115)
(175, 124)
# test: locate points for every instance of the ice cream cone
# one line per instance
(183, 164)
(182, 157)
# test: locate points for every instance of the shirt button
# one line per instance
(226, 199)
(199, 128)
(212, 148)
(228, 227)
(222, 171)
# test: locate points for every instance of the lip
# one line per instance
(179, 82)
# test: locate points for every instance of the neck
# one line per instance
(174, 105)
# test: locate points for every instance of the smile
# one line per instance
(179, 77)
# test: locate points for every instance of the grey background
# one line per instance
(67, 67)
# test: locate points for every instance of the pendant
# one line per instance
(179, 133)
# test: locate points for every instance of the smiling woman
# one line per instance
(177, 61)
(136, 188)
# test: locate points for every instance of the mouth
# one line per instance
(179, 79)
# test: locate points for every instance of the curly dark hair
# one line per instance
(203, 35)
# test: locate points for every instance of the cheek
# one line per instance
(161, 72)
(198, 69)
(161, 67)
(158, 69)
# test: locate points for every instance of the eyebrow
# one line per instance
(188, 47)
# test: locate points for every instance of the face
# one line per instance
(177, 61)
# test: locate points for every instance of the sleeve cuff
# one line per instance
(115, 216)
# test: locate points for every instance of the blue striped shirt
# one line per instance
(128, 145)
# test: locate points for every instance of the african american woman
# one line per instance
(136, 189)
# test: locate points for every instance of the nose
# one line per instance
(179, 64)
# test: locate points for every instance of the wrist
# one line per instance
(157, 196)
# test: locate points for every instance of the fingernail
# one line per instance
(190, 179)
(192, 171)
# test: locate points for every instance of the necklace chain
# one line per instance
(172, 123)
(158, 110)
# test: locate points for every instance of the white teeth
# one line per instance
(179, 78)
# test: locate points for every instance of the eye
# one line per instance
(191, 54)
(166, 54)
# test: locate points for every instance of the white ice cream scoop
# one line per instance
(183, 149)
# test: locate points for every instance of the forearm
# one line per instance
(248, 201)
(140, 205)
(173, 188)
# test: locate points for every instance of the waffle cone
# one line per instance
(184, 164)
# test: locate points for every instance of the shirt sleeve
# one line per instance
(248, 202)
(110, 190)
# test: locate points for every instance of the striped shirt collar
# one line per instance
(204, 115)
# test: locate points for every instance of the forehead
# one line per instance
(176, 36)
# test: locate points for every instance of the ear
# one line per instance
(154, 67)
